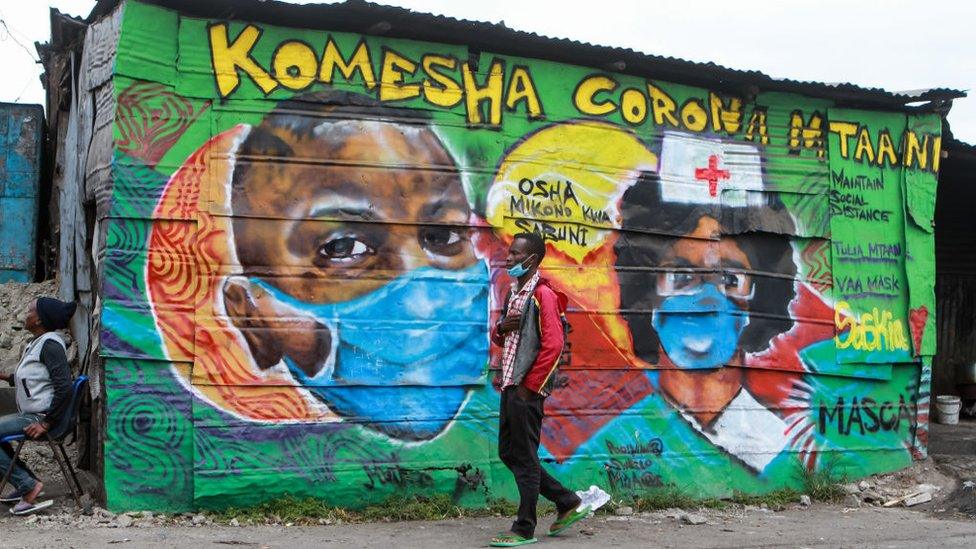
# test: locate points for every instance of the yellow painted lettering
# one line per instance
(886, 149)
(585, 96)
(227, 58)
(916, 153)
(521, 88)
(844, 131)
(663, 106)
(843, 320)
(757, 126)
(693, 115)
(491, 92)
(864, 147)
(808, 135)
(447, 92)
(872, 331)
(392, 86)
(359, 62)
(294, 65)
(726, 115)
(633, 106)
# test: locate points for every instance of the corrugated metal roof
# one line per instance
(364, 17)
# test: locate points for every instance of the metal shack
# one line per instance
(297, 218)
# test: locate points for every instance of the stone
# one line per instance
(123, 521)
(623, 511)
(691, 518)
(87, 505)
(234, 522)
(199, 519)
(872, 496)
(917, 499)
(863, 485)
(805, 500)
(850, 488)
(852, 501)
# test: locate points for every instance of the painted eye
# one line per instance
(737, 285)
(441, 240)
(683, 280)
(344, 250)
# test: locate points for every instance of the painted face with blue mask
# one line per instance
(405, 354)
(703, 309)
(700, 329)
(360, 273)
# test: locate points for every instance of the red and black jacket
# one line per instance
(542, 335)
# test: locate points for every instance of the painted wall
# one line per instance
(20, 166)
(304, 259)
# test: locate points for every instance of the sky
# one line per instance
(892, 44)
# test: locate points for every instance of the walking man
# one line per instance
(531, 332)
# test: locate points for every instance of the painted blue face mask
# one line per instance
(405, 354)
(516, 271)
(701, 329)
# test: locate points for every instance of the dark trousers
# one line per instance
(9, 451)
(519, 424)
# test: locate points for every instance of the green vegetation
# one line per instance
(824, 483)
(396, 508)
(821, 485)
(672, 497)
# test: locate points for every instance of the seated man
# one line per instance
(43, 383)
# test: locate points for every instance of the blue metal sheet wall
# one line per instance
(20, 160)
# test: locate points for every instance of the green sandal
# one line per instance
(510, 540)
(562, 524)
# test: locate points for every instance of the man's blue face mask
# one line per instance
(700, 329)
(516, 271)
(405, 354)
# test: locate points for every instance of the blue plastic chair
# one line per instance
(55, 439)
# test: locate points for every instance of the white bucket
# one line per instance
(948, 407)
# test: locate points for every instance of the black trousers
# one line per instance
(519, 425)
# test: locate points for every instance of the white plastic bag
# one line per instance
(594, 498)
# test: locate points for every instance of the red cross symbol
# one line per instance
(711, 174)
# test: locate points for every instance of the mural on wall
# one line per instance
(305, 256)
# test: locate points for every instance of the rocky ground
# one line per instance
(816, 526)
(934, 495)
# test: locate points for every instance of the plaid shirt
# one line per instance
(516, 304)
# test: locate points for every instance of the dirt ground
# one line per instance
(859, 521)
(817, 526)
